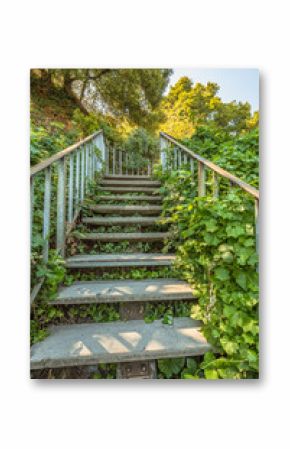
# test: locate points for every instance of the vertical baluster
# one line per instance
(89, 161)
(82, 174)
(179, 159)
(185, 158)
(114, 161)
(175, 158)
(87, 168)
(126, 163)
(31, 207)
(192, 166)
(120, 163)
(215, 183)
(201, 179)
(77, 180)
(60, 219)
(257, 224)
(46, 213)
(71, 189)
(107, 160)
(92, 162)
(149, 169)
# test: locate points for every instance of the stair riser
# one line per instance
(139, 183)
(136, 198)
(125, 222)
(128, 189)
(108, 238)
(117, 264)
(127, 178)
(153, 210)
(109, 300)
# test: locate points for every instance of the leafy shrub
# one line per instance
(143, 147)
(216, 251)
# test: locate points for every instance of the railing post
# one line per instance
(87, 168)
(31, 207)
(257, 224)
(114, 161)
(127, 161)
(60, 220)
(77, 181)
(107, 162)
(215, 185)
(46, 213)
(201, 179)
(175, 158)
(100, 143)
(192, 167)
(163, 145)
(179, 159)
(71, 188)
(82, 173)
(120, 162)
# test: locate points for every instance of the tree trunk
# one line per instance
(69, 90)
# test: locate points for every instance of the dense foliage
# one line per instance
(214, 239)
(121, 93)
(188, 106)
(238, 154)
(216, 251)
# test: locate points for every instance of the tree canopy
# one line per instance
(189, 105)
(130, 94)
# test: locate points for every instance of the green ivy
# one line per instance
(216, 251)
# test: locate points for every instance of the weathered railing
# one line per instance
(121, 162)
(72, 170)
(182, 155)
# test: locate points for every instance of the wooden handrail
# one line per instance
(220, 171)
(47, 162)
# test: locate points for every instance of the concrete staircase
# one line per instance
(129, 341)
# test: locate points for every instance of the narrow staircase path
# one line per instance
(130, 339)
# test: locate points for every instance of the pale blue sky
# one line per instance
(235, 84)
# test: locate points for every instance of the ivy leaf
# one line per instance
(241, 280)
(191, 364)
(222, 274)
(211, 374)
(211, 226)
(169, 367)
(230, 347)
(235, 231)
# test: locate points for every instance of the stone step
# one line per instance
(133, 183)
(120, 260)
(121, 221)
(128, 177)
(128, 189)
(121, 291)
(125, 209)
(123, 236)
(149, 198)
(115, 342)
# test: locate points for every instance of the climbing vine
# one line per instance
(216, 251)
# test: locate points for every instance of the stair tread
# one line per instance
(123, 236)
(124, 291)
(128, 177)
(129, 198)
(108, 221)
(128, 189)
(86, 344)
(124, 209)
(128, 183)
(119, 260)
